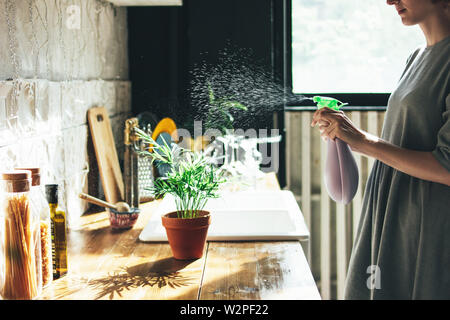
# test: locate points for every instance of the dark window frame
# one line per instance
(356, 101)
(282, 64)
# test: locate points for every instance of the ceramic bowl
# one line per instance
(123, 220)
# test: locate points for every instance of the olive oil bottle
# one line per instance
(59, 232)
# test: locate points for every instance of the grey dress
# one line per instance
(402, 248)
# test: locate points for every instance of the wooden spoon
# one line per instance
(119, 206)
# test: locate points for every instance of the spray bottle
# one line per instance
(341, 171)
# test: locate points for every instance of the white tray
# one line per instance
(245, 215)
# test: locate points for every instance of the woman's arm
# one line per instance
(419, 164)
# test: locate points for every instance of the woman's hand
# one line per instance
(420, 164)
(335, 124)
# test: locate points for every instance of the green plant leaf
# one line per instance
(233, 105)
(211, 94)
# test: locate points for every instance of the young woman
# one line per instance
(402, 250)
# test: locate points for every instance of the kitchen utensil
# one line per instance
(106, 154)
(165, 132)
(119, 206)
(121, 216)
(147, 122)
(165, 125)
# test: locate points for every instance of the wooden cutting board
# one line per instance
(106, 154)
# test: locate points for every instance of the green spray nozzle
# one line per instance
(328, 102)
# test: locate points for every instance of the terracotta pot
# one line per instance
(186, 237)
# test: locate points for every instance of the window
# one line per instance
(348, 46)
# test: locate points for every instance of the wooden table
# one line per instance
(108, 264)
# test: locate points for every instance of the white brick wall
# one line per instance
(95, 50)
(55, 133)
(62, 73)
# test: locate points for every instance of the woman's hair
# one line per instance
(446, 3)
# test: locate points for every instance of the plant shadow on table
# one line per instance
(160, 273)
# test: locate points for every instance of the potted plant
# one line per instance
(192, 180)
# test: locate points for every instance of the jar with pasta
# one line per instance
(42, 209)
(21, 238)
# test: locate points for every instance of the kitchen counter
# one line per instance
(108, 264)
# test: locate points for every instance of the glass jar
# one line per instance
(22, 238)
(42, 210)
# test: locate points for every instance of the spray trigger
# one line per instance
(328, 102)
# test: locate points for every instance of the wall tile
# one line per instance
(123, 96)
(52, 46)
(76, 168)
(6, 135)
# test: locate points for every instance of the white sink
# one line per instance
(245, 215)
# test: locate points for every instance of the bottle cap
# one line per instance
(20, 180)
(51, 193)
(35, 175)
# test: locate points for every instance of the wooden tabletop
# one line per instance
(108, 264)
